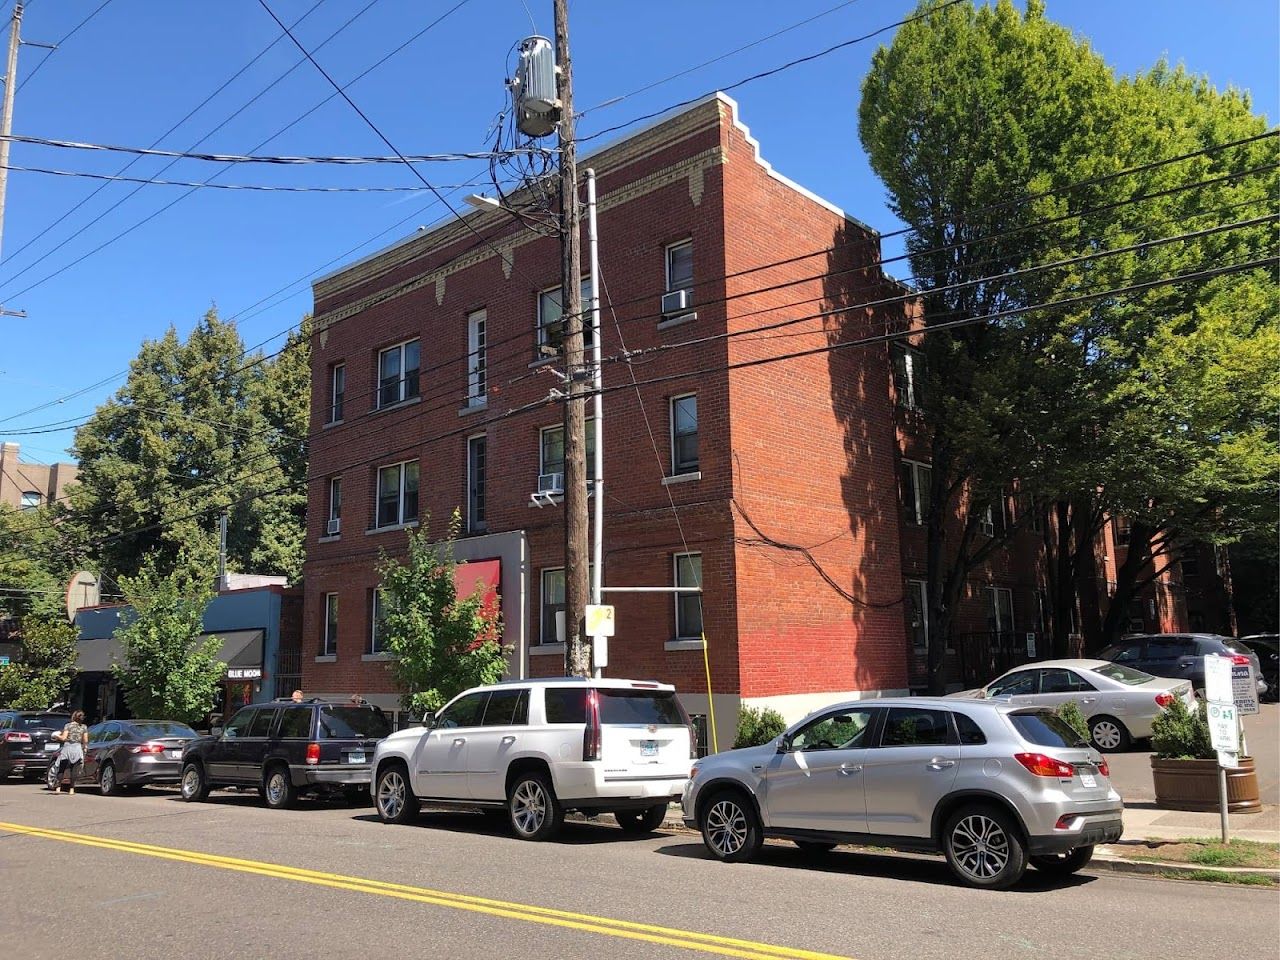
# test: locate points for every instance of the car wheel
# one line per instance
(984, 847)
(394, 797)
(641, 821)
(51, 777)
(532, 807)
(107, 782)
(1063, 864)
(730, 828)
(194, 785)
(814, 846)
(278, 791)
(1109, 734)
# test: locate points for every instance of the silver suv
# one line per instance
(989, 783)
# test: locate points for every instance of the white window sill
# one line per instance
(682, 645)
(395, 526)
(327, 658)
(331, 539)
(682, 478)
(399, 403)
(677, 321)
(542, 362)
(377, 657)
(546, 650)
(477, 407)
(333, 423)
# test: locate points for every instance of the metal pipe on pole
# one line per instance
(599, 644)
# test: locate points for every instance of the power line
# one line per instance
(65, 37)
(268, 188)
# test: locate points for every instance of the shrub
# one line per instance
(1182, 734)
(758, 726)
(1070, 714)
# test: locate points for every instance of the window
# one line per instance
(352, 723)
(477, 383)
(688, 568)
(507, 708)
(377, 623)
(295, 723)
(551, 320)
(1046, 729)
(1014, 685)
(397, 494)
(970, 733)
(551, 450)
(551, 625)
(1123, 528)
(475, 483)
(684, 434)
(908, 376)
(843, 730)
(398, 373)
(680, 266)
(261, 726)
(994, 518)
(1123, 653)
(566, 704)
(465, 712)
(1063, 681)
(999, 610)
(1122, 674)
(1190, 568)
(910, 727)
(656, 707)
(30, 499)
(335, 503)
(917, 601)
(337, 391)
(329, 647)
(239, 725)
(916, 481)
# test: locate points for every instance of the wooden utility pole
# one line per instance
(577, 657)
(6, 122)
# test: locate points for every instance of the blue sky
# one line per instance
(138, 67)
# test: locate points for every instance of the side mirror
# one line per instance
(215, 731)
(784, 743)
(429, 719)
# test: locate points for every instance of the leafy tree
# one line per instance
(34, 562)
(47, 666)
(442, 643)
(168, 671)
(758, 726)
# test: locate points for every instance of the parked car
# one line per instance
(287, 749)
(129, 754)
(991, 784)
(1180, 656)
(1118, 701)
(26, 741)
(1267, 648)
(538, 748)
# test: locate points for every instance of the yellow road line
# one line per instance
(606, 926)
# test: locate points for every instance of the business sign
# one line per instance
(244, 673)
(4, 661)
(1244, 688)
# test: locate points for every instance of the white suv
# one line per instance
(537, 748)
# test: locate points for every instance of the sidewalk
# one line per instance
(1146, 821)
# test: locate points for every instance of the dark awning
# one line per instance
(241, 651)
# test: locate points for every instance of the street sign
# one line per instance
(600, 620)
(1224, 727)
(1244, 688)
(1031, 646)
(1217, 679)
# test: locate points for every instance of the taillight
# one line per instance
(1103, 768)
(13, 737)
(313, 753)
(148, 748)
(591, 736)
(1043, 766)
(1163, 699)
(1239, 659)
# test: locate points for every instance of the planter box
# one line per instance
(1193, 785)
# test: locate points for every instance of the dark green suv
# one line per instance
(286, 749)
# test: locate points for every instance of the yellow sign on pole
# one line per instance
(599, 620)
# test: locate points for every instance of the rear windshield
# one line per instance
(347, 723)
(163, 728)
(1045, 729)
(1122, 674)
(569, 705)
(1235, 646)
(54, 720)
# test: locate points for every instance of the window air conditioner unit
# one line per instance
(334, 527)
(677, 301)
(551, 483)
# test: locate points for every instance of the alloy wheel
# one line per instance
(107, 779)
(980, 846)
(726, 828)
(391, 795)
(1106, 735)
(275, 788)
(190, 782)
(529, 807)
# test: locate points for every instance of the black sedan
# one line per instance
(129, 754)
(26, 741)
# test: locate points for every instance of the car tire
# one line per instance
(532, 808)
(108, 785)
(984, 847)
(1108, 734)
(394, 798)
(278, 791)
(641, 821)
(730, 828)
(1063, 864)
(50, 777)
(814, 847)
(194, 784)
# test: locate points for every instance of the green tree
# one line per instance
(758, 726)
(34, 562)
(441, 643)
(168, 672)
(43, 674)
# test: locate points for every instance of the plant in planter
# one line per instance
(1070, 714)
(1184, 765)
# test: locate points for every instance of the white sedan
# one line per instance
(1119, 702)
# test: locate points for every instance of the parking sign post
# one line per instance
(1224, 725)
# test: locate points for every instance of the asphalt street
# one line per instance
(147, 876)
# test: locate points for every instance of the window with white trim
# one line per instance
(1123, 530)
(477, 381)
(329, 645)
(1000, 609)
(915, 482)
(377, 621)
(549, 629)
(398, 373)
(908, 376)
(995, 517)
(680, 267)
(335, 501)
(397, 494)
(337, 391)
(30, 500)
(476, 457)
(917, 603)
(551, 320)
(551, 449)
(684, 434)
(688, 573)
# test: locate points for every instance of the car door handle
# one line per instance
(849, 769)
(1088, 699)
(509, 739)
(459, 741)
(757, 766)
(940, 763)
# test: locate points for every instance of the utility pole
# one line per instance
(577, 656)
(10, 87)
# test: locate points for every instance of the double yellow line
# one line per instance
(605, 926)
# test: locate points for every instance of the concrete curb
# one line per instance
(1114, 864)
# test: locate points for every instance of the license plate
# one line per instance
(173, 754)
(355, 758)
(1088, 779)
(51, 746)
(649, 748)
